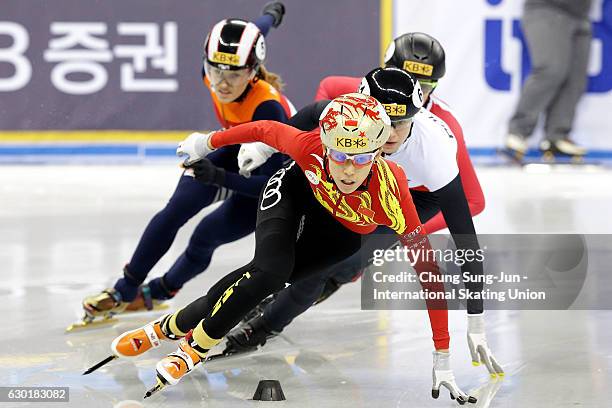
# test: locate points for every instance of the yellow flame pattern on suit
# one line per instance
(343, 211)
(389, 197)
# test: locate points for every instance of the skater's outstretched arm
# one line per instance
(280, 136)
(271, 16)
(459, 201)
(253, 155)
(283, 138)
(206, 172)
(454, 208)
(414, 237)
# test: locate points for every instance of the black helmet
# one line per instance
(235, 44)
(397, 90)
(418, 53)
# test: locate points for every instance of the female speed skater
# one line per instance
(242, 91)
(443, 185)
(311, 215)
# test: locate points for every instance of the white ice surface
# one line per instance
(66, 231)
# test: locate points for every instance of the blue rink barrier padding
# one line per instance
(68, 150)
(77, 153)
(138, 152)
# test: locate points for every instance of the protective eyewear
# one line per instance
(401, 124)
(428, 85)
(359, 160)
(231, 77)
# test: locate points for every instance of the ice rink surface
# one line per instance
(66, 231)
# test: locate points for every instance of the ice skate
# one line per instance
(246, 338)
(565, 148)
(144, 302)
(133, 343)
(100, 310)
(172, 368)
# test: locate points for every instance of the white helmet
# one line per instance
(354, 123)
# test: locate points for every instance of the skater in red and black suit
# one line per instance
(311, 215)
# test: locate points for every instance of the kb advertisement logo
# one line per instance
(498, 78)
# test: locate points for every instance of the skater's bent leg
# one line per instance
(271, 268)
(230, 299)
(213, 231)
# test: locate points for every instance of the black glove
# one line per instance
(206, 172)
(277, 10)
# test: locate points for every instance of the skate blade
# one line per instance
(158, 387)
(100, 364)
(220, 356)
(229, 353)
(87, 325)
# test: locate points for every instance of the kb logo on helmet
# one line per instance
(351, 143)
(393, 109)
(225, 58)
(418, 68)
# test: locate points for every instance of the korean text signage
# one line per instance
(68, 64)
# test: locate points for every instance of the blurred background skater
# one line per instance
(242, 90)
(558, 34)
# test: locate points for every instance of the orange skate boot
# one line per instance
(172, 368)
(133, 343)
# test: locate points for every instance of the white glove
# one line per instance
(443, 376)
(477, 342)
(253, 155)
(195, 147)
